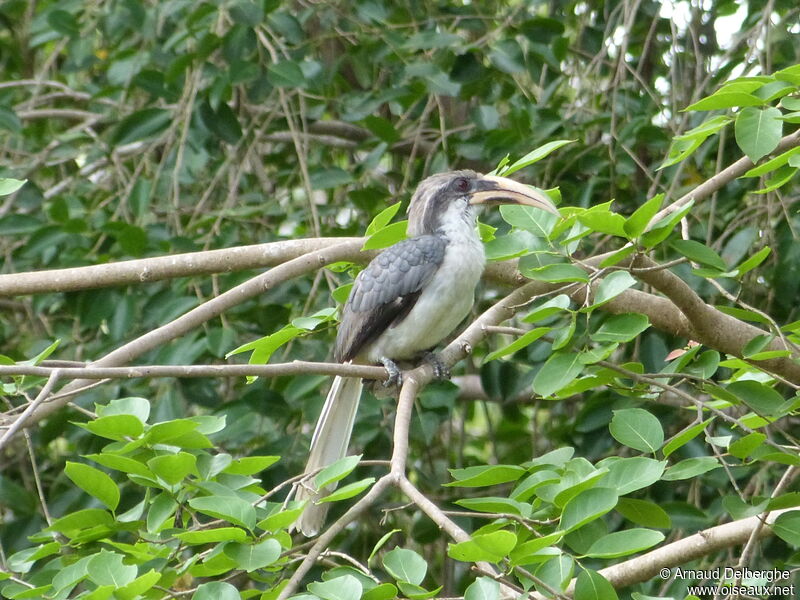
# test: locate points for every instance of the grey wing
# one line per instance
(386, 291)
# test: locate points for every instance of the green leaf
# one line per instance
(264, 347)
(216, 590)
(311, 322)
(349, 490)
(116, 427)
(760, 397)
(553, 306)
(603, 220)
(521, 342)
(229, 508)
(752, 262)
(483, 588)
(64, 23)
(559, 371)
(405, 565)
(638, 221)
(329, 178)
(528, 218)
(623, 543)
(383, 591)
(107, 568)
(161, 508)
(772, 163)
(757, 344)
(9, 186)
(22, 561)
(621, 328)
(138, 407)
(222, 122)
(535, 550)
(382, 219)
(383, 129)
(512, 245)
(485, 475)
(121, 463)
(254, 556)
(745, 446)
(632, 473)
(172, 468)
(558, 273)
(617, 256)
(433, 38)
(726, 99)
(169, 431)
(778, 179)
(137, 587)
(380, 543)
(758, 131)
(787, 527)
(214, 535)
(250, 465)
(496, 505)
(740, 313)
(81, 519)
(643, 512)
(280, 520)
(663, 228)
(683, 437)
(684, 145)
(286, 73)
(706, 128)
(591, 585)
(141, 125)
(527, 487)
(691, 467)
(15, 224)
(611, 286)
(346, 587)
(700, 253)
(492, 547)
(535, 156)
(637, 428)
(389, 235)
(94, 482)
(336, 471)
(9, 121)
(587, 506)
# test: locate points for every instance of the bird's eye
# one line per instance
(461, 184)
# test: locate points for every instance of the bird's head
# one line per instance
(451, 196)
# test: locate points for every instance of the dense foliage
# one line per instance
(646, 389)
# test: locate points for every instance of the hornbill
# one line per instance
(408, 299)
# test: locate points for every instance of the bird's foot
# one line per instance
(395, 375)
(440, 370)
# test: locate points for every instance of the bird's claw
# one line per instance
(395, 375)
(440, 370)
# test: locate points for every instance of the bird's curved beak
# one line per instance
(492, 189)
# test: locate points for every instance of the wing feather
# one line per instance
(386, 290)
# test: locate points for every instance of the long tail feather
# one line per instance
(328, 444)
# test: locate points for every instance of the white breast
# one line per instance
(442, 305)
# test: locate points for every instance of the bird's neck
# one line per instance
(458, 226)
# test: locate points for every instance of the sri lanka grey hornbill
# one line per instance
(408, 299)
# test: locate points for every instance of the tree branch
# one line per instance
(203, 313)
(648, 566)
(711, 326)
(723, 178)
(296, 367)
(167, 267)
